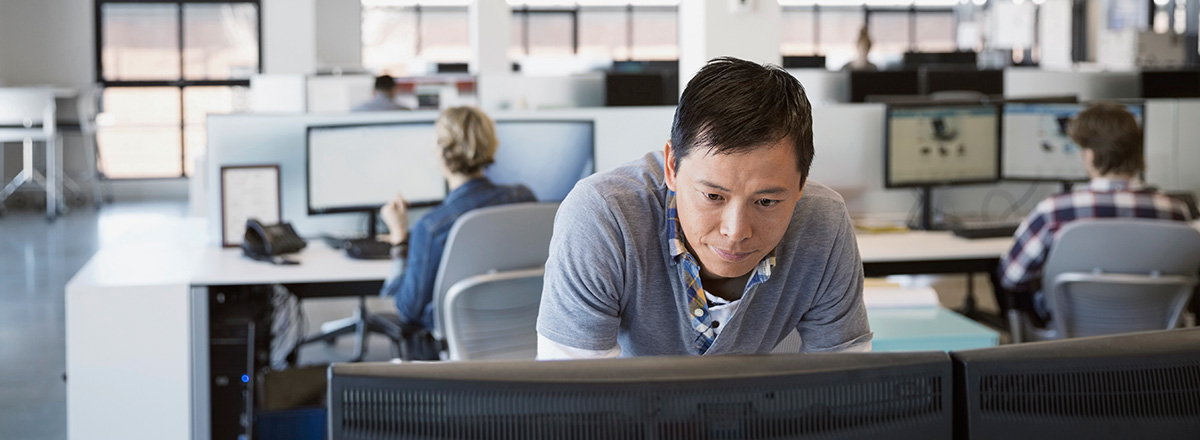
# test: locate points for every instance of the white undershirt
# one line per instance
(721, 311)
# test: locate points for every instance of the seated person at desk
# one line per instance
(383, 98)
(860, 62)
(708, 247)
(1110, 143)
(466, 139)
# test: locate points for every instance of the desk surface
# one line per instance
(318, 264)
(927, 245)
(932, 328)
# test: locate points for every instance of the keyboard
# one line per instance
(367, 249)
(984, 229)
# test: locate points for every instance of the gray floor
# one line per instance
(37, 258)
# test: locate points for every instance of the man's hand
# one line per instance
(395, 216)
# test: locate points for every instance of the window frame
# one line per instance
(181, 82)
(630, 10)
(911, 11)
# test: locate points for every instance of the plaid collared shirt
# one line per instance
(1021, 266)
(699, 315)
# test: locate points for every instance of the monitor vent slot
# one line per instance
(870, 407)
(1136, 393)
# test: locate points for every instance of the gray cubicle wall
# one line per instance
(249, 139)
(848, 139)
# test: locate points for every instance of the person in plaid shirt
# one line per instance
(1111, 145)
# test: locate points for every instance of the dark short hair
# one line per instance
(735, 106)
(1113, 135)
(385, 83)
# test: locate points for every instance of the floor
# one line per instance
(37, 258)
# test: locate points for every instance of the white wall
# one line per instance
(713, 28)
(289, 36)
(490, 21)
(46, 42)
(339, 35)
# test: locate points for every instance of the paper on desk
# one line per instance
(898, 297)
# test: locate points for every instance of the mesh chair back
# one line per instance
(1106, 276)
(494, 316)
(493, 239)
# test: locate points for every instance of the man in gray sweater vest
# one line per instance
(708, 247)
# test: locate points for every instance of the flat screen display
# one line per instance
(941, 145)
(1036, 145)
(549, 157)
(362, 167)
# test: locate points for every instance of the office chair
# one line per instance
(360, 324)
(1106, 276)
(495, 239)
(494, 315)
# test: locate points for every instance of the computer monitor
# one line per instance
(359, 168)
(548, 156)
(941, 144)
(985, 82)
(828, 396)
(1138, 385)
(864, 84)
(1170, 83)
(1036, 146)
(622, 89)
(914, 60)
(804, 61)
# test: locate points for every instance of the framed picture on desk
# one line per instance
(248, 192)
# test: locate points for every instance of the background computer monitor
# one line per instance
(985, 82)
(1139, 385)
(866, 83)
(829, 396)
(359, 168)
(915, 60)
(1035, 142)
(1170, 83)
(942, 144)
(548, 156)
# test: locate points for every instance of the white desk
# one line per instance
(137, 320)
(137, 328)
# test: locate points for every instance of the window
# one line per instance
(622, 33)
(164, 66)
(798, 32)
(831, 27)
(406, 40)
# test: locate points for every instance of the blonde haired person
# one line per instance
(466, 140)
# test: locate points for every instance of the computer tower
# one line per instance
(239, 347)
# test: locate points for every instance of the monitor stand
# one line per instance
(925, 221)
(372, 231)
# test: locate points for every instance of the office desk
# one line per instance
(138, 328)
(935, 252)
(937, 328)
(138, 324)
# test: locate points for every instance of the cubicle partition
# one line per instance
(621, 135)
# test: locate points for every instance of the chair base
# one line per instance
(360, 325)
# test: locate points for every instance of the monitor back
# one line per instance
(1170, 83)
(864, 84)
(1139, 385)
(821, 396)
